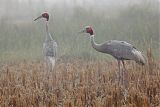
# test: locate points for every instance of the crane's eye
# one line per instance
(88, 29)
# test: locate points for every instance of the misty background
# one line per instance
(136, 22)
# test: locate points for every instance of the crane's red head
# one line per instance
(88, 29)
(44, 15)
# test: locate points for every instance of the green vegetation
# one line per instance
(22, 38)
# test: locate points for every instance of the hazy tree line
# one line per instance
(22, 38)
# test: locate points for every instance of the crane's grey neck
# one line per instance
(48, 37)
(94, 44)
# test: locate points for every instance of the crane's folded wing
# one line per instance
(50, 49)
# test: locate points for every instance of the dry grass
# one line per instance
(78, 83)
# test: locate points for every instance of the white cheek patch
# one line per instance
(91, 36)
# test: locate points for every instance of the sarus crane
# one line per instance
(49, 45)
(120, 50)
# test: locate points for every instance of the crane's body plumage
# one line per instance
(49, 50)
(120, 50)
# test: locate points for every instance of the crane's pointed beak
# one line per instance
(82, 31)
(38, 18)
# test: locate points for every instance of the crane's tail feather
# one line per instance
(51, 62)
(139, 57)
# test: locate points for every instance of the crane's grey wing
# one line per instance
(119, 49)
(50, 48)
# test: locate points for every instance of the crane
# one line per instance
(49, 45)
(120, 50)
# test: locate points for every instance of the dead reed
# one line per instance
(78, 83)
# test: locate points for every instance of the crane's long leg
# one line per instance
(125, 80)
(125, 75)
(123, 64)
(123, 70)
(119, 72)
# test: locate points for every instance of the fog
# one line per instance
(135, 21)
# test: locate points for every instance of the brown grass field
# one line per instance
(78, 83)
